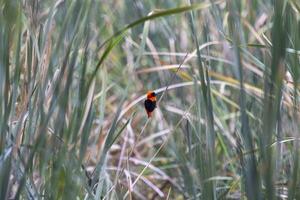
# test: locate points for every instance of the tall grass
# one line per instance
(73, 77)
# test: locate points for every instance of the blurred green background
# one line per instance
(73, 78)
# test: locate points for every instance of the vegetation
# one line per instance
(73, 78)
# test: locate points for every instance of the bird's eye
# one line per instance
(153, 94)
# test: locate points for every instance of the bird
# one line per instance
(150, 103)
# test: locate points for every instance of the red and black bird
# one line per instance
(150, 103)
